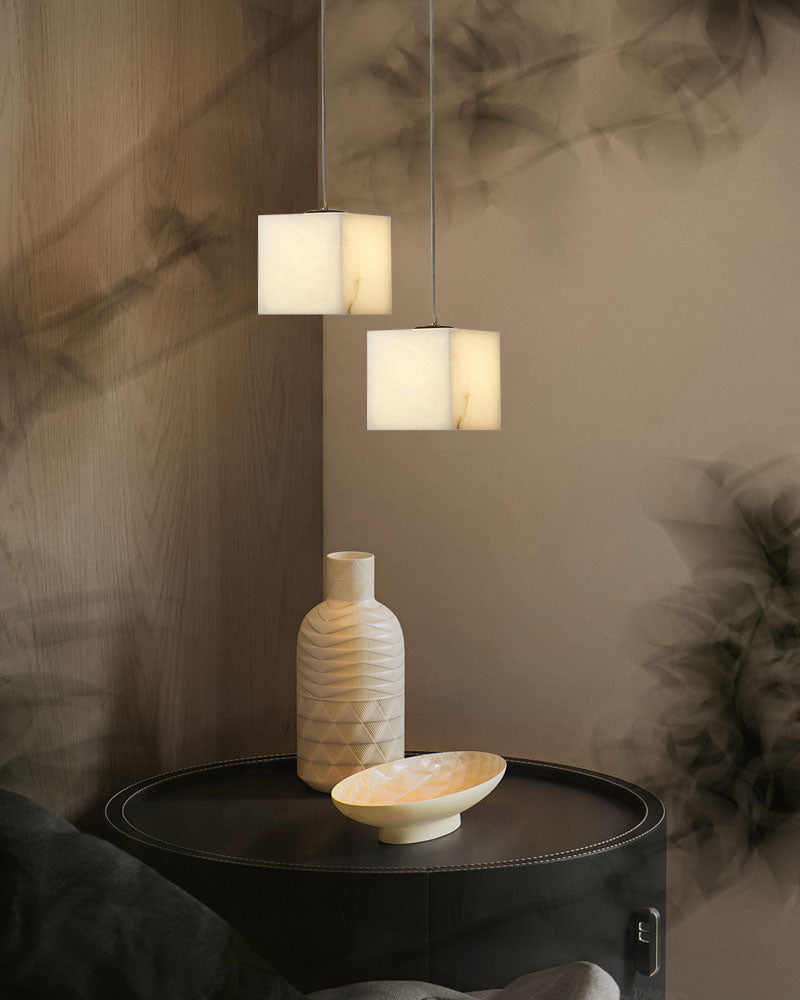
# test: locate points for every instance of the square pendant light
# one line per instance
(324, 263)
(433, 378)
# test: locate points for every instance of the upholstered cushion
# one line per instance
(575, 981)
(81, 919)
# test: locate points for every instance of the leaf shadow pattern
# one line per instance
(722, 729)
(518, 82)
(62, 732)
(83, 698)
(56, 358)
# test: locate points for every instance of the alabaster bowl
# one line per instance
(418, 798)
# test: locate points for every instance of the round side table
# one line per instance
(558, 864)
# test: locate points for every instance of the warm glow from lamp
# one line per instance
(324, 263)
(433, 378)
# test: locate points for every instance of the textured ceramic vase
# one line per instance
(350, 677)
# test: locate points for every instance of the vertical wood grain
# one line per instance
(160, 443)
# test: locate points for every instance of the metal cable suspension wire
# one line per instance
(323, 116)
(432, 164)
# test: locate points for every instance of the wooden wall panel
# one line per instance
(160, 443)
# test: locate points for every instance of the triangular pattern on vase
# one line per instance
(365, 754)
(351, 732)
(369, 710)
(350, 676)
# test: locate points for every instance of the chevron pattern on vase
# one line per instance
(344, 712)
(350, 678)
(365, 754)
(354, 732)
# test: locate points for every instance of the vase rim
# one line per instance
(350, 556)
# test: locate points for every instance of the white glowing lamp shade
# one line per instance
(324, 263)
(440, 378)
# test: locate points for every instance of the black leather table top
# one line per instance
(256, 811)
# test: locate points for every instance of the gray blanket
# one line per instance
(83, 920)
(576, 981)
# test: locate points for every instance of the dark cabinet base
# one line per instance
(444, 920)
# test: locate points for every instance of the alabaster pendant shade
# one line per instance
(433, 378)
(324, 263)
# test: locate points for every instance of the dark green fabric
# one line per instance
(82, 920)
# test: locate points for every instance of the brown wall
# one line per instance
(644, 281)
(160, 443)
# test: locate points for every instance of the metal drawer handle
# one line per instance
(647, 941)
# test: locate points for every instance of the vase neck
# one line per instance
(350, 577)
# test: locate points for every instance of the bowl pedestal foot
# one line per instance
(417, 832)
